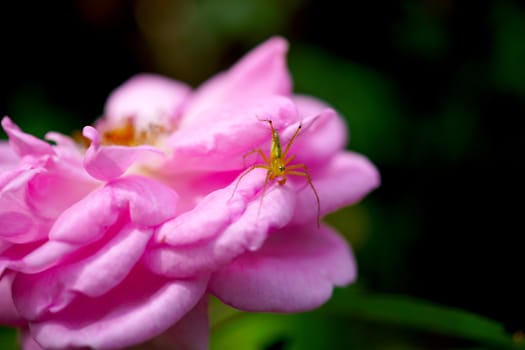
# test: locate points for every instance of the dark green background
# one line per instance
(433, 92)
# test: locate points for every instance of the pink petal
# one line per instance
(21, 224)
(109, 162)
(220, 229)
(345, 180)
(223, 135)
(189, 333)
(8, 313)
(322, 136)
(147, 98)
(51, 192)
(142, 307)
(309, 106)
(147, 202)
(14, 223)
(295, 270)
(8, 158)
(65, 146)
(86, 220)
(259, 74)
(24, 144)
(43, 257)
(28, 343)
(93, 275)
(213, 213)
(150, 202)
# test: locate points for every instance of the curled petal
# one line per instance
(309, 106)
(93, 275)
(86, 220)
(261, 73)
(295, 270)
(8, 313)
(150, 202)
(52, 191)
(323, 135)
(28, 343)
(65, 146)
(109, 162)
(20, 224)
(140, 308)
(193, 249)
(262, 215)
(345, 180)
(15, 223)
(147, 98)
(189, 333)
(43, 257)
(8, 158)
(213, 214)
(146, 201)
(25, 144)
(224, 135)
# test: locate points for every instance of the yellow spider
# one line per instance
(277, 165)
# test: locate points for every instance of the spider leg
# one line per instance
(265, 186)
(287, 161)
(309, 179)
(289, 144)
(246, 172)
(258, 151)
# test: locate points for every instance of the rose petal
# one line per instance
(142, 307)
(8, 158)
(225, 134)
(309, 106)
(150, 202)
(261, 73)
(295, 270)
(65, 146)
(109, 162)
(322, 136)
(42, 257)
(14, 223)
(86, 220)
(192, 249)
(21, 223)
(51, 192)
(147, 98)
(8, 313)
(28, 343)
(213, 213)
(94, 275)
(25, 144)
(345, 180)
(189, 333)
(147, 201)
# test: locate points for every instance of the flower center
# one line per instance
(127, 134)
(124, 135)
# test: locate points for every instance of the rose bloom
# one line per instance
(117, 238)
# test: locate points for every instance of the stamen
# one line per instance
(126, 134)
(123, 136)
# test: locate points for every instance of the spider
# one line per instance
(277, 165)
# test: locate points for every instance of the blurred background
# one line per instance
(433, 92)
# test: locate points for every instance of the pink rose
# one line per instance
(120, 242)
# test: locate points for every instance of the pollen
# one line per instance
(126, 134)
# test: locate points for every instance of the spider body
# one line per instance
(277, 165)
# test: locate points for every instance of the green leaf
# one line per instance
(404, 311)
(8, 339)
(354, 319)
(508, 21)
